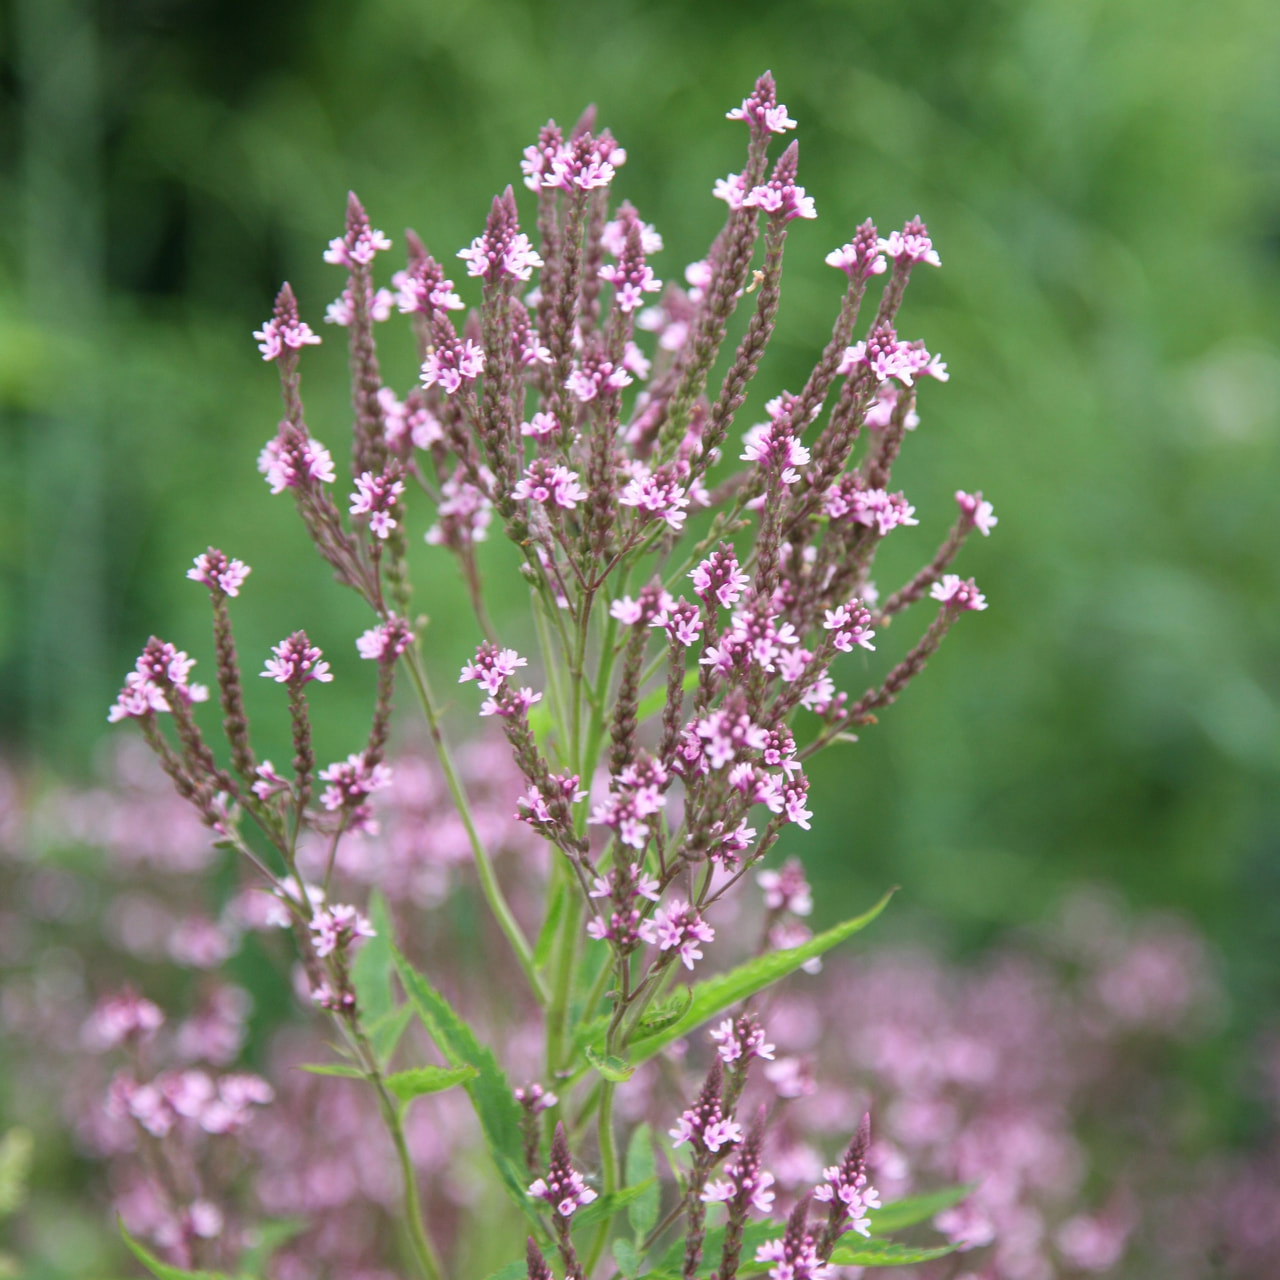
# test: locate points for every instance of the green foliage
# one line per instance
(16, 1149)
(602, 1208)
(717, 994)
(491, 1095)
(413, 1083)
(613, 1068)
(912, 1209)
(162, 1270)
(641, 1169)
(886, 1253)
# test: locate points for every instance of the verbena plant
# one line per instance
(690, 618)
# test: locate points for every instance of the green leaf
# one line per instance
(717, 994)
(16, 1148)
(641, 1167)
(384, 1033)
(625, 1255)
(913, 1209)
(550, 926)
(609, 1065)
(407, 1085)
(268, 1237)
(371, 967)
(604, 1207)
(512, 1271)
(886, 1253)
(491, 1097)
(669, 1011)
(332, 1069)
(591, 1032)
(162, 1270)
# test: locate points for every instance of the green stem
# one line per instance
(562, 988)
(484, 865)
(609, 1164)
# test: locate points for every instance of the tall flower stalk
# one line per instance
(696, 621)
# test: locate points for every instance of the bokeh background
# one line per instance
(1102, 181)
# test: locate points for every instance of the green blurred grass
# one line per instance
(1102, 181)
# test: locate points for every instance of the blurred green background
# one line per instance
(1102, 181)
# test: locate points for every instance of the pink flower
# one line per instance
(219, 573)
(780, 197)
(297, 661)
(851, 626)
(658, 495)
(492, 667)
(295, 461)
(452, 363)
(338, 927)
(540, 426)
(594, 375)
(564, 1188)
(503, 249)
(786, 889)
(957, 593)
(160, 672)
(761, 109)
(681, 929)
(464, 514)
(982, 513)
(585, 163)
(614, 236)
(385, 642)
(911, 244)
(883, 354)
(861, 257)
(360, 243)
(720, 577)
(422, 288)
(341, 310)
(732, 190)
(740, 1040)
(681, 623)
(276, 335)
(550, 484)
(350, 782)
(376, 497)
(121, 1018)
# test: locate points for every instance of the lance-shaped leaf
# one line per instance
(886, 1253)
(491, 1095)
(162, 1270)
(407, 1085)
(717, 994)
(604, 1207)
(907, 1212)
(642, 1170)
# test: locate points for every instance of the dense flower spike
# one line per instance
(862, 256)
(847, 1191)
(453, 362)
(762, 110)
(337, 928)
(284, 331)
(377, 497)
(563, 1188)
(291, 461)
(980, 512)
(358, 246)
(795, 1255)
(385, 642)
(958, 594)
(296, 662)
(503, 249)
(221, 574)
(160, 674)
(911, 244)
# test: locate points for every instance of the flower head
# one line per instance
(564, 1188)
(297, 662)
(681, 929)
(358, 245)
(911, 244)
(550, 484)
(337, 927)
(293, 460)
(387, 641)
(958, 593)
(219, 573)
(979, 511)
(503, 249)
(761, 109)
(284, 331)
(377, 497)
(861, 257)
(453, 361)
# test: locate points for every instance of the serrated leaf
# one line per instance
(716, 994)
(385, 1032)
(604, 1207)
(269, 1236)
(625, 1255)
(162, 1270)
(913, 1209)
(371, 967)
(641, 1168)
(332, 1069)
(886, 1253)
(415, 1082)
(550, 926)
(609, 1065)
(491, 1096)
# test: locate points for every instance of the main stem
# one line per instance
(484, 865)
